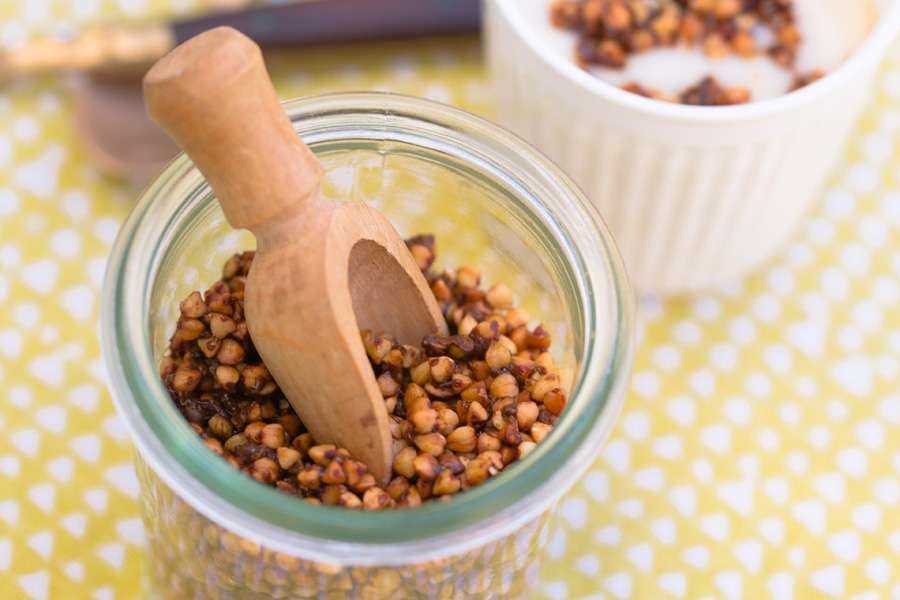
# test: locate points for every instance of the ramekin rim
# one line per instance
(871, 51)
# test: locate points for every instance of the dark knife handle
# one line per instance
(330, 21)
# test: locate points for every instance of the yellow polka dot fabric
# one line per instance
(757, 455)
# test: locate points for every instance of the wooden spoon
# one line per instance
(322, 270)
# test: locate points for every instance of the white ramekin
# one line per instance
(694, 195)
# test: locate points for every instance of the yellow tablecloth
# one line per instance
(757, 455)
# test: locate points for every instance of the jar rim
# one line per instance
(501, 504)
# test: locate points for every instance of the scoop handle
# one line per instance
(213, 96)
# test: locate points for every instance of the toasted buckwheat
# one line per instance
(462, 407)
(609, 31)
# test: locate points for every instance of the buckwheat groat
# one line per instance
(611, 31)
(462, 406)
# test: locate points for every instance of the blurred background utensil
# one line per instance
(110, 61)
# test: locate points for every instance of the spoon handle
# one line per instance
(214, 97)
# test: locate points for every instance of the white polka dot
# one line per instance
(13, 34)
(806, 387)
(767, 308)
(738, 411)
(853, 462)
(618, 585)
(870, 434)
(608, 536)
(632, 508)
(597, 485)
(651, 479)
(767, 439)
(574, 510)
(105, 229)
(651, 307)
(9, 202)
(868, 316)
(673, 583)
(779, 358)
(836, 410)
(65, 243)
(800, 255)
(6, 151)
(742, 331)
(820, 231)
(839, 204)
(887, 491)
(556, 590)
(437, 92)
(696, 556)
(10, 343)
(20, 396)
(886, 291)
(707, 308)
(34, 223)
(797, 556)
(834, 283)
(748, 465)
(797, 462)
(636, 424)
(682, 410)
(667, 358)
(133, 6)
(819, 436)
(96, 268)
(789, 413)
(873, 231)
(845, 545)
(850, 338)
(687, 332)
(889, 409)
(703, 382)
(646, 383)
(811, 514)
(878, 570)
(878, 146)
(617, 455)
(588, 564)
(854, 375)
(855, 258)
(816, 305)
(781, 585)
(669, 447)
(702, 470)
(76, 204)
(724, 357)
(48, 102)
(781, 280)
(26, 314)
(890, 208)
(26, 128)
(863, 178)
(49, 368)
(887, 367)
(78, 301)
(758, 384)
(49, 334)
(867, 517)
(889, 121)
(731, 584)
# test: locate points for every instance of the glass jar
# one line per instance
(491, 200)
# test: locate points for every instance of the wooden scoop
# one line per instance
(323, 270)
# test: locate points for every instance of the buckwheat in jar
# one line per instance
(490, 200)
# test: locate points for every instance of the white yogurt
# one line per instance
(832, 30)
